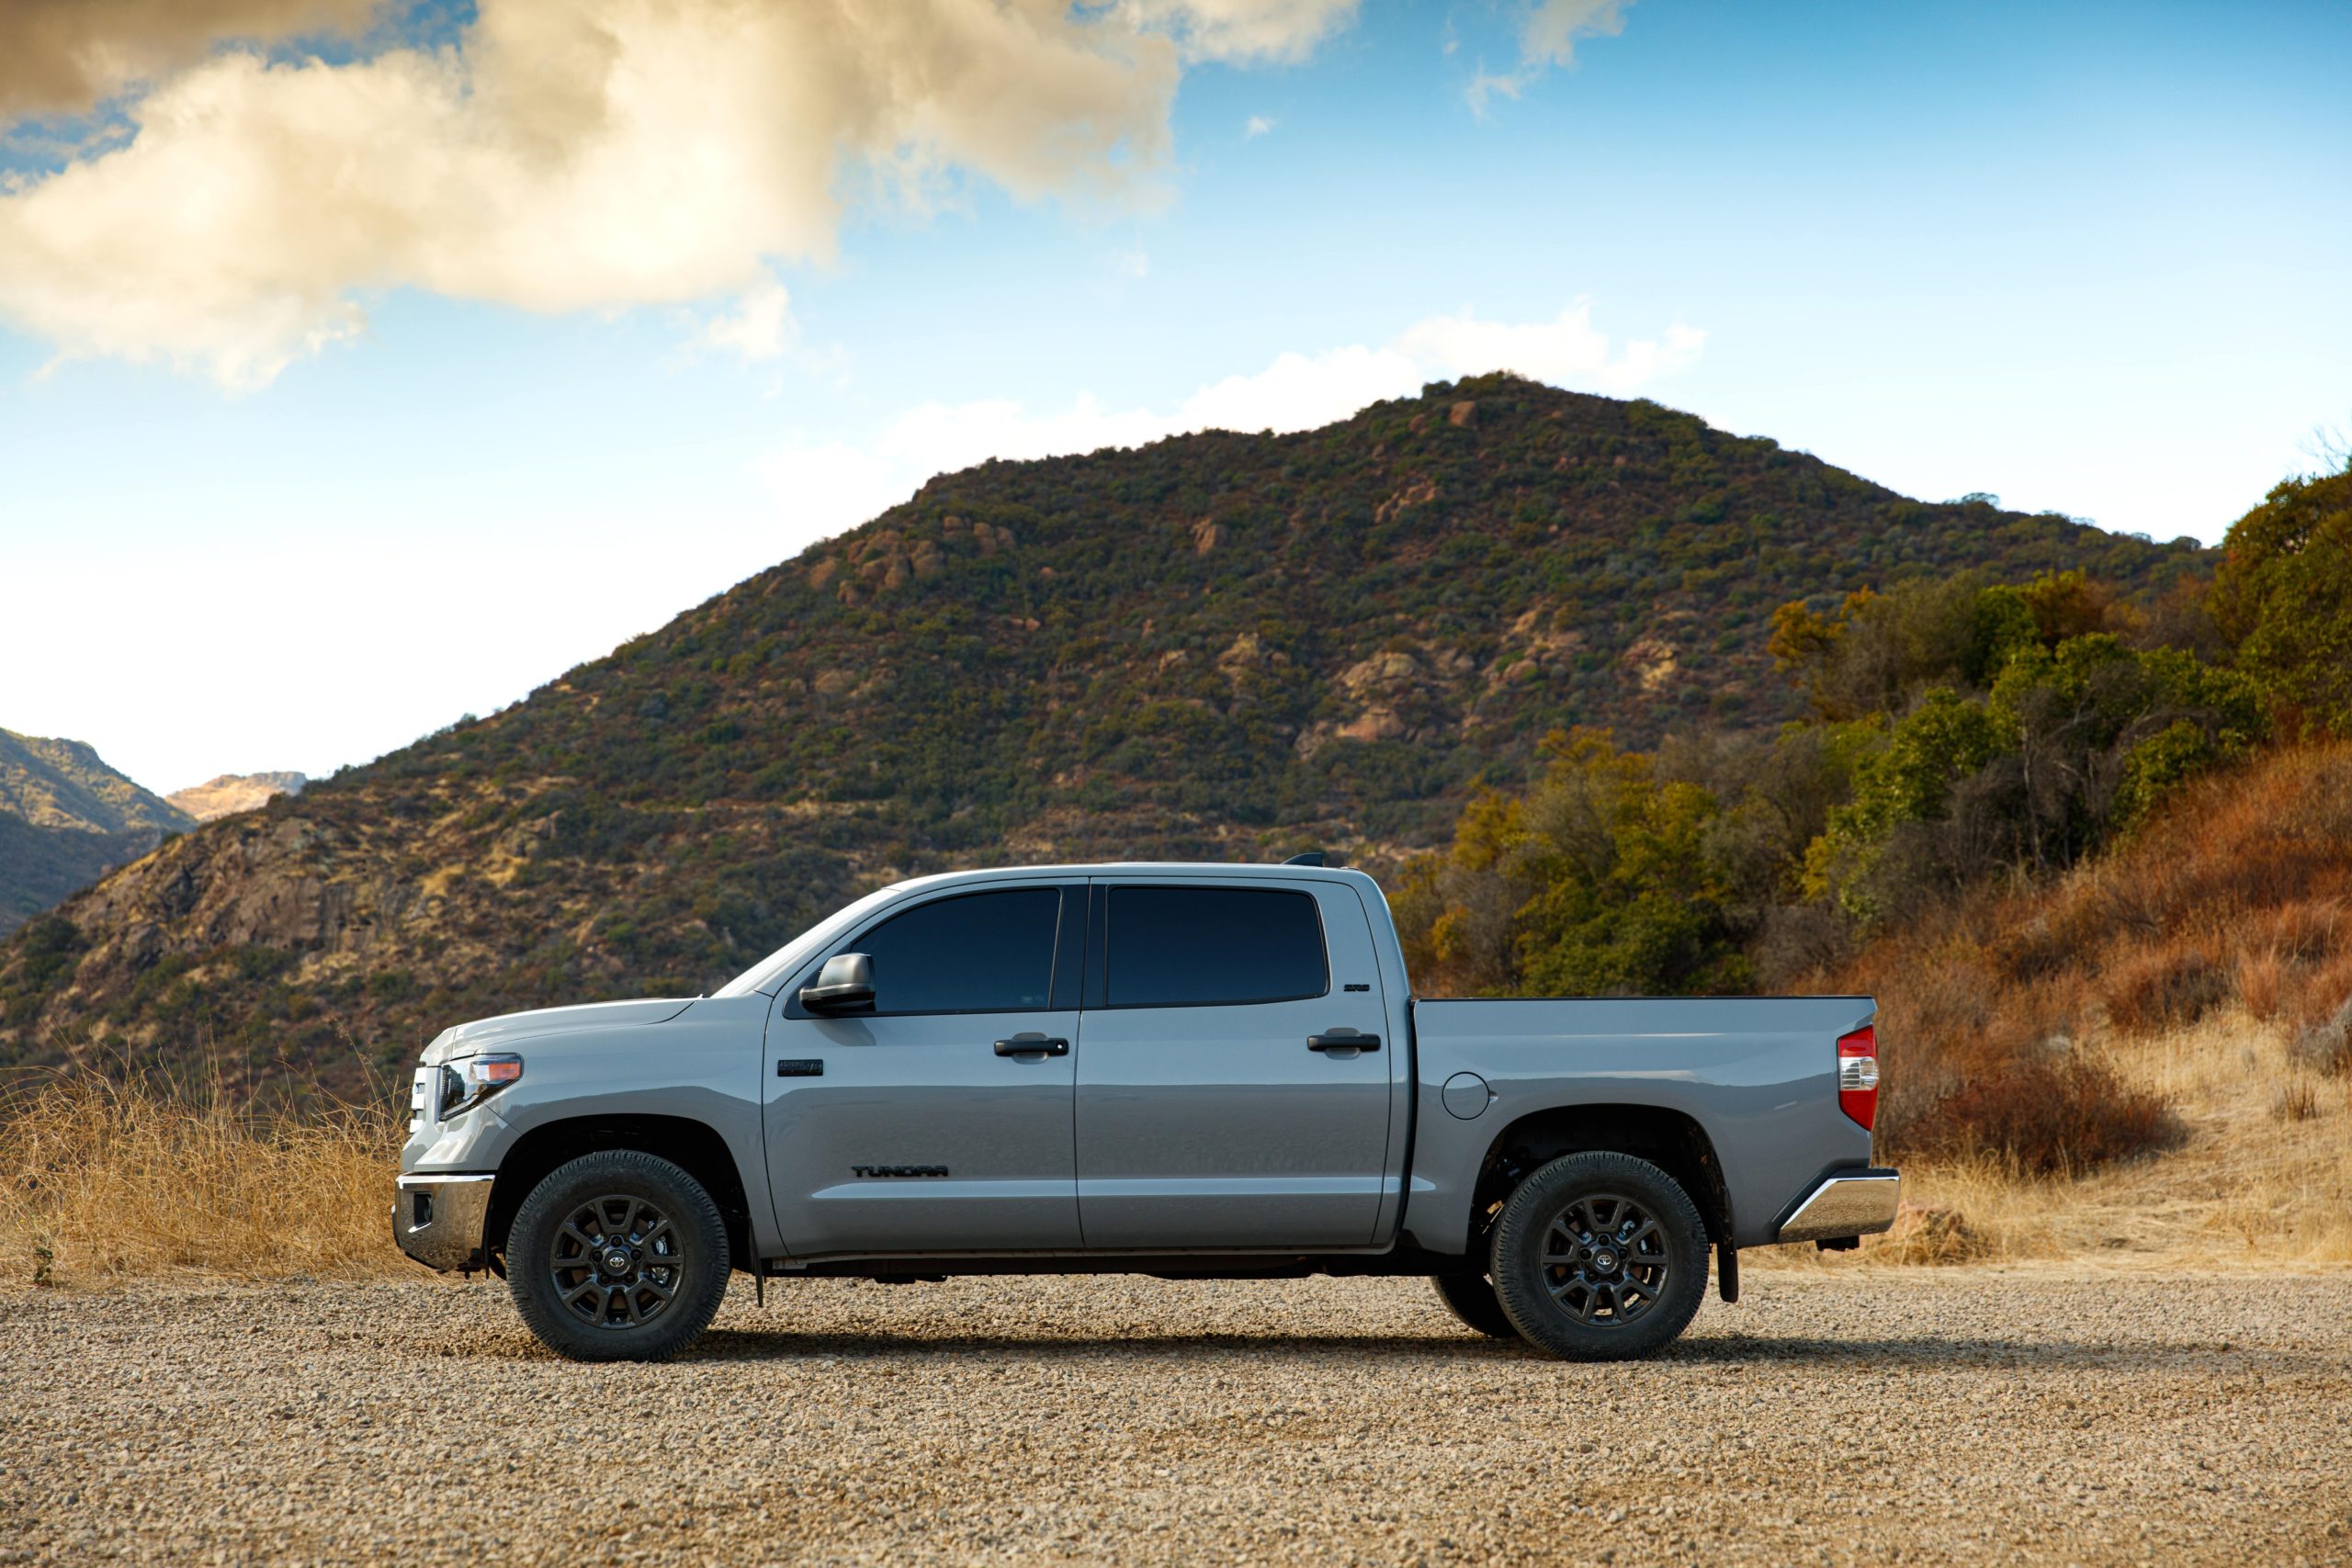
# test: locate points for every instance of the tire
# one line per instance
(618, 1256)
(1558, 1270)
(1467, 1294)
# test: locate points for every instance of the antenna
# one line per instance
(1312, 857)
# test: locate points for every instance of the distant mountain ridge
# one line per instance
(1220, 646)
(231, 792)
(66, 818)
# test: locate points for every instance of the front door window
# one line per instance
(981, 953)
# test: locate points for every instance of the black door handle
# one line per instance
(1033, 1045)
(1342, 1039)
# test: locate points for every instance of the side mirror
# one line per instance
(846, 981)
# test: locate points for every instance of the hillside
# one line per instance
(66, 818)
(1222, 645)
(232, 792)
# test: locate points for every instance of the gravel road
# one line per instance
(1976, 1416)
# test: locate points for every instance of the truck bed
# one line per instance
(1759, 1073)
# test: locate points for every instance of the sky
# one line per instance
(365, 363)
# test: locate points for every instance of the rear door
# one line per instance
(905, 1129)
(1216, 1105)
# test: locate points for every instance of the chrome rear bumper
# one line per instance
(437, 1220)
(1855, 1202)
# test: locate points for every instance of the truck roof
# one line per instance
(1223, 871)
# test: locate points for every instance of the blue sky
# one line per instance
(2088, 258)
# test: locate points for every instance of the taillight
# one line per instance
(1858, 1074)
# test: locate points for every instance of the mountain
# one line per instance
(66, 818)
(1219, 646)
(231, 792)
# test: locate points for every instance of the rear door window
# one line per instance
(1176, 946)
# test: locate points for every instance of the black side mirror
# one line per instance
(846, 981)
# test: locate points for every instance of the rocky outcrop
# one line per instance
(1420, 492)
(261, 883)
(882, 561)
(1651, 661)
(1397, 693)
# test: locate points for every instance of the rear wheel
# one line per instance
(1599, 1258)
(618, 1256)
(1470, 1297)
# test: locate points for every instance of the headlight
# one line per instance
(475, 1079)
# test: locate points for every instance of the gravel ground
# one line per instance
(1977, 1415)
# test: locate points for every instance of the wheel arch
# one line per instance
(1671, 1140)
(693, 1146)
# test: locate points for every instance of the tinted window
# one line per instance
(1186, 946)
(982, 953)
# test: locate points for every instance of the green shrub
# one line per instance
(2284, 596)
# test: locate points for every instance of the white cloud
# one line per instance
(1548, 34)
(578, 154)
(759, 327)
(1241, 31)
(1567, 351)
(823, 486)
(1256, 126)
(1299, 391)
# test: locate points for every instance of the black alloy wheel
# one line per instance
(617, 1255)
(614, 1262)
(1605, 1260)
(1599, 1258)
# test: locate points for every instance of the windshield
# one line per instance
(777, 967)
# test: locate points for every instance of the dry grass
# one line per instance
(2261, 980)
(103, 1179)
(2250, 1184)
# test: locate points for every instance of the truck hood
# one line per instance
(492, 1034)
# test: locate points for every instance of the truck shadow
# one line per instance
(754, 1345)
(2021, 1352)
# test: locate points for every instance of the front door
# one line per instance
(905, 1128)
(1214, 1108)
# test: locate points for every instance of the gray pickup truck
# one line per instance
(1190, 1071)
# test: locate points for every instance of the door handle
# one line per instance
(1032, 1044)
(1342, 1039)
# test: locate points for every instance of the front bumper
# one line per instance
(1853, 1202)
(438, 1220)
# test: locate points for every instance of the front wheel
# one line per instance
(1599, 1258)
(617, 1255)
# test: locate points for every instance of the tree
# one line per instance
(1599, 881)
(2284, 596)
